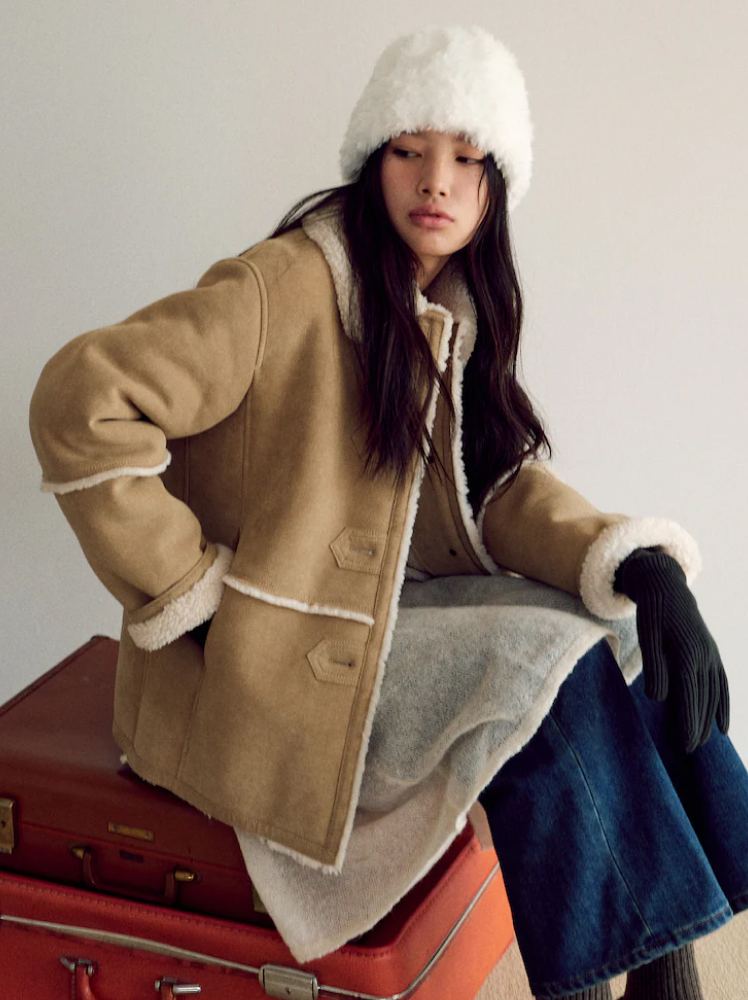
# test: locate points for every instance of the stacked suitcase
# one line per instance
(113, 889)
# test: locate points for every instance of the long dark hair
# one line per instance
(397, 369)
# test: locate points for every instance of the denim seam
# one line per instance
(599, 820)
(612, 969)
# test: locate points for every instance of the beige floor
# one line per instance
(722, 958)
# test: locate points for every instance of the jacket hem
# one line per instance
(618, 541)
(310, 852)
(302, 859)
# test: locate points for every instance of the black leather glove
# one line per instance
(680, 658)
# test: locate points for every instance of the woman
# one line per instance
(342, 415)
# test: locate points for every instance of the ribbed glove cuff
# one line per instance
(648, 570)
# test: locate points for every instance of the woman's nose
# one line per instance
(434, 179)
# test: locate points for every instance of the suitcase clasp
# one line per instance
(178, 988)
(7, 826)
(288, 984)
(72, 963)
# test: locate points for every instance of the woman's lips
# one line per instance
(429, 221)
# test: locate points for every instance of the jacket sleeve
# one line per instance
(101, 414)
(542, 528)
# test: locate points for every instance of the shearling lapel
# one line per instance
(448, 293)
(448, 296)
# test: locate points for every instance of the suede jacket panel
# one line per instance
(209, 454)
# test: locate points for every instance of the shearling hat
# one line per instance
(448, 79)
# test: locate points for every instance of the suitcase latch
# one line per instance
(7, 826)
(176, 987)
(288, 984)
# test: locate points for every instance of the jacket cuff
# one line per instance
(187, 611)
(72, 485)
(618, 541)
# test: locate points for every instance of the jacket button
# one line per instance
(336, 662)
(452, 552)
(359, 550)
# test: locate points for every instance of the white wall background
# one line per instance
(141, 141)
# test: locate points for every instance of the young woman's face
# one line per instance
(433, 172)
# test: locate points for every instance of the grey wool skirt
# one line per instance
(475, 666)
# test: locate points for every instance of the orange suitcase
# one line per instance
(439, 943)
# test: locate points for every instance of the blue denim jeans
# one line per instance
(615, 845)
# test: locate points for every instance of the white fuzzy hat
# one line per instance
(449, 79)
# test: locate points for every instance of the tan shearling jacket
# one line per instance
(208, 454)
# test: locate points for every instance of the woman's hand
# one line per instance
(680, 657)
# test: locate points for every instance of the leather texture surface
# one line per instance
(61, 766)
(129, 946)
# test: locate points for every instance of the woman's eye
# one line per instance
(469, 159)
(404, 152)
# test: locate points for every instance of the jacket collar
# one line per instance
(448, 292)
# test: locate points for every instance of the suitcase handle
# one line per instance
(83, 969)
(169, 896)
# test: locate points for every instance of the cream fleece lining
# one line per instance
(102, 477)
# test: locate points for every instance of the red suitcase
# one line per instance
(72, 813)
